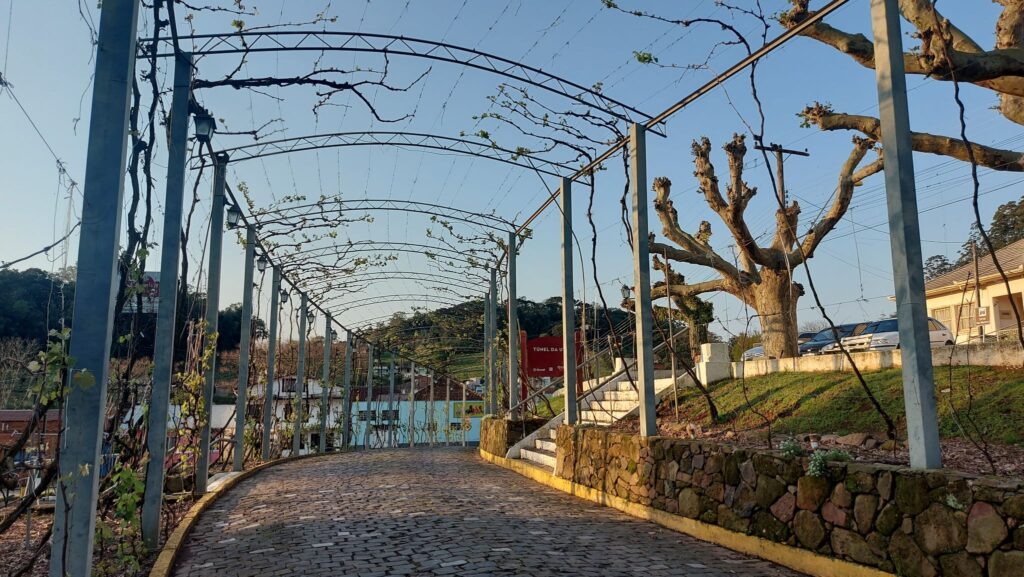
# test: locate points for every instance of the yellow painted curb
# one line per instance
(795, 558)
(169, 552)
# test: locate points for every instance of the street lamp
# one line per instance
(234, 216)
(626, 291)
(205, 126)
(284, 295)
(261, 263)
(310, 317)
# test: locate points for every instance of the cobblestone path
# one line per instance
(432, 512)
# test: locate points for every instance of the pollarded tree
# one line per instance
(945, 53)
(760, 276)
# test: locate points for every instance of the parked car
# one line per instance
(757, 352)
(884, 335)
(824, 342)
(805, 337)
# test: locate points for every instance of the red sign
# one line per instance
(542, 357)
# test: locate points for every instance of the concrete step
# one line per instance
(625, 385)
(602, 416)
(613, 405)
(553, 433)
(540, 457)
(545, 445)
(629, 395)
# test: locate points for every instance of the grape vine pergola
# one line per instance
(118, 49)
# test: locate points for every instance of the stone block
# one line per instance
(985, 529)
(938, 530)
(912, 493)
(809, 529)
(811, 492)
(864, 508)
(908, 559)
(1006, 564)
(768, 491)
(785, 507)
(959, 565)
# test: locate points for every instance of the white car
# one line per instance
(884, 335)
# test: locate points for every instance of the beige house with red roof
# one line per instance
(951, 296)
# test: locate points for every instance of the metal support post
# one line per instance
(411, 435)
(465, 433)
(487, 352)
(300, 378)
(370, 417)
(167, 309)
(220, 164)
(447, 411)
(241, 402)
(513, 328)
(492, 368)
(432, 427)
(568, 306)
(325, 401)
(268, 390)
(346, 403)
(642, 282)
(905, 237)
(391, 401)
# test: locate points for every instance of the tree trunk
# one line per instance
(774, 299)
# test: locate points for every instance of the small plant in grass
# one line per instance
(819, 461)
(792, 449)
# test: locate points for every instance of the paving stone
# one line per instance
(425, 512)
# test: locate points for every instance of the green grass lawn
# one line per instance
(836, 403)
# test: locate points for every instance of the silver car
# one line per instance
(884, 335)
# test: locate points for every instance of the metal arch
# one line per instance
(396, 297)
(386, 204)
(372, 278)
(390, 138)
(379, 246)
(334, 41)
(432, 299)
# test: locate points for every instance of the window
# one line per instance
(943, 315)
(967, 318)
(366, 416)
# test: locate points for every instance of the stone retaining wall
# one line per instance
(1000, 354)
(497, 435)
(907, 522)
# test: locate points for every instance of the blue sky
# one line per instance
(579, 40)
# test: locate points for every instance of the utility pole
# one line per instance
(780, 174)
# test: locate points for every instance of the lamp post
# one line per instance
(261, 263)
(234, 217)
(205, 126)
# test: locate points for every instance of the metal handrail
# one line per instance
(624, 369)
(602, 383)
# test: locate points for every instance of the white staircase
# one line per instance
(612, 401)
(543, 450)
